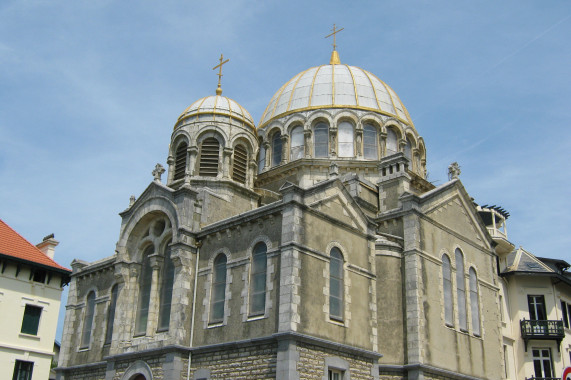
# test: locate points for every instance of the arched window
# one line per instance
(167, 281)
(297, 148)
(180, 161)
(447, 289)
(88, 320)
(370, 142)
(346, 138)
(111, 314)
(240, 164)
(261, 158)
(321, 140)
(209, 157)
(145, 281)
(474, 304)
(218, 295)
(408, 150)
(336, 284)
(461, 290)
(258, 279)
(392, 143)
(276, 149)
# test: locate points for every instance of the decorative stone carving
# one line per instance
(454, 171)
(158, 172)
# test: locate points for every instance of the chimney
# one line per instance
(48, 245)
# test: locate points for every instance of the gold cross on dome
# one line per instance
(219, 66)
(335, 31)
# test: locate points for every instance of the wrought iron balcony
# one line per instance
(542, 329)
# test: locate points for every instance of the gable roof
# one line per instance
(14, 246)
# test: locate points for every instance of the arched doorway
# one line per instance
(139, 377)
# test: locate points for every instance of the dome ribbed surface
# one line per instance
(218, 105)
(335, 86)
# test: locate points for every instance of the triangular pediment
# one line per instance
(453, 210)
(337, 203)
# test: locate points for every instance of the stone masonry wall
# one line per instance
(311, 364)
(243, 362)
(88, 373)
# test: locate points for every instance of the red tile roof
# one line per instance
(14, 245)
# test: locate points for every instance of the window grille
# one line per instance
(240, 164)
(209, 157)
(180, 162)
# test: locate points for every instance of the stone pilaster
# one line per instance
(226, 154)
(192, 154)
(285, 149)
(307, 133)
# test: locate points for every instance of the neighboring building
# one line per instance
(31, 283)
(536, 315)
(309, 247)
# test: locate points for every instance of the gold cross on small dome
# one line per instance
(334, 56)
(219, 66)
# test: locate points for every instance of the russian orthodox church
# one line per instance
(308, 246)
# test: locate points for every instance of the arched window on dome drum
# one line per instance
(209, 157)
(474, 303)
(167, 282)
(240, 164)
(346, 138)
(180, 161)
(447, 290)
(145, 281)
(218, 295)
(370, 149)
(258, 279)
(276, 149)
(297, 147)
(392, 143)
(321, 140)
(336, 288)
(408, 150)
(88, 320)
(111, 314)
(261, 158)
(461, 290)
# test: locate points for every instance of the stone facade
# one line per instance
(311, 247)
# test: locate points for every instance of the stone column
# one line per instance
(359, 141)
(192, 154)
(226, 154)
(170, 163)
(333, 141)
(285, 149)
(182, 257)
(414, 165)
(382, 144)
(402, 144)
(307, 143)
(268, 156)
(156, 262)
(124, 300)
(252, 168)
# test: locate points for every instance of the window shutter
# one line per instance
(180, 161)
(240, 164)
(209, 157)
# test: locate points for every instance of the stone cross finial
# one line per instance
(158, 172)
(132, 200)
(454, 171)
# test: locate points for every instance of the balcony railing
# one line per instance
(541, 329)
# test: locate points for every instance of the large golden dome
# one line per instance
(335, 86)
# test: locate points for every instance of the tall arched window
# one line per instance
(145, 281)
(297, 147)
(447, 289)
(461, 290)
(370, 142)
(392, 143)
(321, 140)
(336, 284)
(276, 149)
(240, 164)
(88, 320)
(111, 314)
(261, 158)
(258, 279)
(180, 161)
(209, 157)
(474, 303)
(408, 150)
(346, 138)
(218, 295)
(167, 282)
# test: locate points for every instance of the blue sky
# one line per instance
(90, 92)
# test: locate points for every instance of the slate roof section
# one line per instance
(13, 245)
